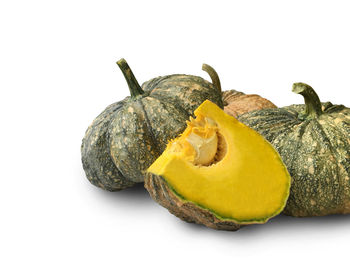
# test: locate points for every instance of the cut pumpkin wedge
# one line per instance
(219, 173)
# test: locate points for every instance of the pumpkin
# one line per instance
(128, 136)
(95, 151)
(219, 173)
(237, 103)
(313, 141)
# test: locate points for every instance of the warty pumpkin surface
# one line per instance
(125, 139)
(314, 142)
(219, 173)
(237, 103)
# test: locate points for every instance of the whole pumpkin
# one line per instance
(237, 103)
(314, 143)
(128, 136)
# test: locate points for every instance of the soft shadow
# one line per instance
(136, 195)
(281, 225)
(333, 221)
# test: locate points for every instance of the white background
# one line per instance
(58, 72)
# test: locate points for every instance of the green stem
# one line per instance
(134, 86)
(313, 107)
(213, 75)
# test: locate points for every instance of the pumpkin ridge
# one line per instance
(120, 174)
(290, 156)
(174, 79)
(303, 126)
(130, 158)
(122, 146)
(149, 128)
(111, 156)
(164, 103)
(151, 84)
(187, 83)
(336, 147)
(269, 113)
(340, 178)
(180, 107)
(257, 121)
(96, 160)
(162, 97)
(326, 143)
(334, 108)
(292, 161)
(161, 125)
(101, 117)
(192, 89)
(286, 122)
(320, 127)
(190, 78)
(92, 177)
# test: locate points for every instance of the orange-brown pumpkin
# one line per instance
(237, 103)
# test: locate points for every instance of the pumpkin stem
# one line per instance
(134, 86)
(213, 75)
(313, 107)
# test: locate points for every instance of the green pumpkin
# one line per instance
(128, 136)
(314, 143)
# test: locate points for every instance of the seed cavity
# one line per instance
(201, 143)
(208, 143)
(205, 148)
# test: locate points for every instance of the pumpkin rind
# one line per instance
(129, 135)
(185, 210)
(237, 103)
(316, 151)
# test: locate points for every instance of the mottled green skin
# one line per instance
(144, 125)
(125, 139)
(316, 151)
(97, 162)
(186, 92)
